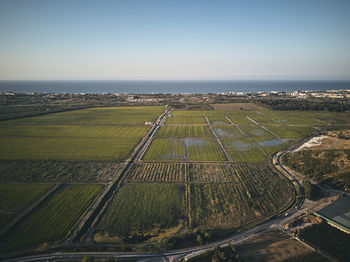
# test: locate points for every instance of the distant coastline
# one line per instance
(170, 87)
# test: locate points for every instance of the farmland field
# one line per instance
(16, 197)
(185, 131)
(187, 120)
(157, 172)
(227, 132)
(85, 131)
(180, 182)
(53, 219)
(99, 115)
(166, 149)
(153, 208)
(56, 171)
(247, 199)
(244, 150)
(35, 148)
(204, 150)
(256, 132)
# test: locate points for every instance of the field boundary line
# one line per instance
(29, 209)
(268, 117)
(252, 120)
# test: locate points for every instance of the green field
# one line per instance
(256, 132)
(166, 149)
(228, 132)
(84, 131)
(52, 220)
(35, 148)
(248, 198)
(187, 120)
(16, 197)
(204, 150)
(184, 132)
(144, 209)
(108, 133)
(100, 115)
(244, 150)
(56, 171)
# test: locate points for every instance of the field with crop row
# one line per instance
(218, 120)
(56, 171)
(157, 172)
(16, 197)
(249, 198)
(52, 220)
(228, 132)
(99, 115)
(66, 148)
(84, 131)
(244, 150)
(184, 132)
(182, 149)
(166, 149)
(256, 132)
(188, 120)
(204, 150)
(144, 209)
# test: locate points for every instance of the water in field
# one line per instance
(227, 132)
(274, 142)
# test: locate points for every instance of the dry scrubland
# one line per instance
(185, 182)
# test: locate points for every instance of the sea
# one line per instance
(167, 87)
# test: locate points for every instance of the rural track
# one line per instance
(293, 210)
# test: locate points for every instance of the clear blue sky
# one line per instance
(145, 39)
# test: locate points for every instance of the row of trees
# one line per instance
(338, 105)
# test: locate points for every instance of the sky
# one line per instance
(174, 40)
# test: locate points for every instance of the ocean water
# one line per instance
(167, 87)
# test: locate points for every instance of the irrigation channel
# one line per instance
(92, 215)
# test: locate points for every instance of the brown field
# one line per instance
(276, 246)
(237, 106)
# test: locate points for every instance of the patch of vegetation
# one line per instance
(141, 211)
(312, 191)
(323, 166)
(187, 120)
(53, 219)
(244, 150)
(185, 132)
(16, 197)
(204, 150)
(166, 149)
(99, 115)
(328, 239)
(56, 171)
(157, 172)
(246, 199)
(25, 148)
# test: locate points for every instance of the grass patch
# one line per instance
(247, 199)
(56, 171)
(35, 148)
(53, 219)
(157, 172)
(166, 149)
(244, 150)
(185, 131)
(141, 208)
(16, 197)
